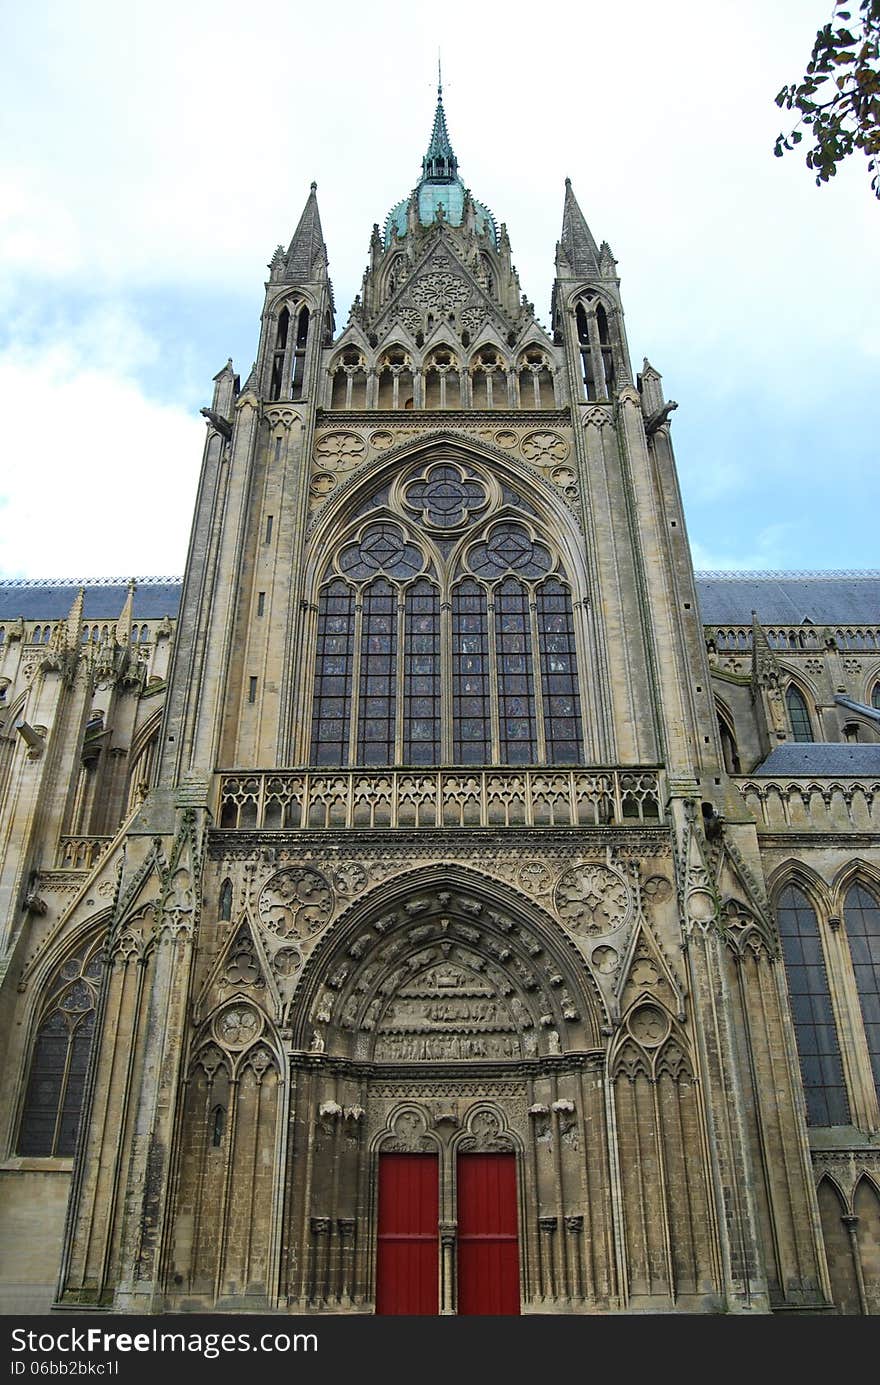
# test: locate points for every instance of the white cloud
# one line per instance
(165, 149)
(97, 478)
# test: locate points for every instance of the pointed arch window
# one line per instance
(862, 919)
(470, 663)
(798, 714)
(875, 696)
(586, 349)
(815, 1027)
(281, 333)
(606, 352)
(59, 1060)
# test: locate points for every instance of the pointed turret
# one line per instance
(307, 254)
(577, 243)
(440, 161)
(75, 620)
(123, 624)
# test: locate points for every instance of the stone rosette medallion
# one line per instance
(592, 899)
(296, 904)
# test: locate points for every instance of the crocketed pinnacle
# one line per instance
(307, 246)
(578, 244)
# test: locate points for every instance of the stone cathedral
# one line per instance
(441, 901)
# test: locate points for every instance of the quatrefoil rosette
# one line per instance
(445, 496)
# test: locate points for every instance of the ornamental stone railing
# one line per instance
(441, 798)
(813, 804)
(80, 853)
(795, 639)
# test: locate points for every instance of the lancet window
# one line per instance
(445, 632)
(798, 714)
(289, 352)
(596, 348)
(815, 1028)
(59, 1059)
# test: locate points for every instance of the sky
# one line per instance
(152, 155)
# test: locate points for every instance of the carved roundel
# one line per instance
(442, 291)
(544, 447)
(649, 1026)
(296, 903)
(340, 450)
(592, 899)
(535, 877)
(605, 960)
(238, 1026)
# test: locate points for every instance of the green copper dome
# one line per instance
(440, 186)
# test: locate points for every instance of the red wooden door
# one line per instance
(407, 1267)
(488, 1250)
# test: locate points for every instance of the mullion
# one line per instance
(562, 713)
(516, 692)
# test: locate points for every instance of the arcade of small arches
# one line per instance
(444, 378)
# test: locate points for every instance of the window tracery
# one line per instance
(445, 631)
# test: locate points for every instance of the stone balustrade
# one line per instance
(439, 798)
(80, 853)
(813, 804)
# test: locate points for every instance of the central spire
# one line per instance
(440, 194)
(440, 163)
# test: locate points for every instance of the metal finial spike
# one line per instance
(439, 78)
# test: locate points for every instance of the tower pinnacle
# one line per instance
(577, 240)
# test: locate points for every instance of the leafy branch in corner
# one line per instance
(839, 96)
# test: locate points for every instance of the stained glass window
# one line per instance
(378, 675)
(798, 715)
(331, 711)
(862, 918)
(562, 711)
(815, 1028)
(421, 676)
(445, 498)
(516, 691)
(471, 724)
(481, 671)
(56, 1081)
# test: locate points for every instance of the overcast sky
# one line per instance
(153, 154)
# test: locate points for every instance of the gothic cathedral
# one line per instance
(442, 902)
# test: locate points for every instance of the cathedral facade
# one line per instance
(442, 901)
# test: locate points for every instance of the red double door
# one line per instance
(408, 1266)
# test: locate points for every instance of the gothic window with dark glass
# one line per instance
(278, 354)
(798, 714)
(59, 1059)
(297, 374)
(586, 351)
(444, 637)
(812, 1012)
(606, 352)
(862, 919)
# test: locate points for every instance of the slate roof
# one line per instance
(789, 598)
(800, 758)
(154, 598)
(726, 598)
